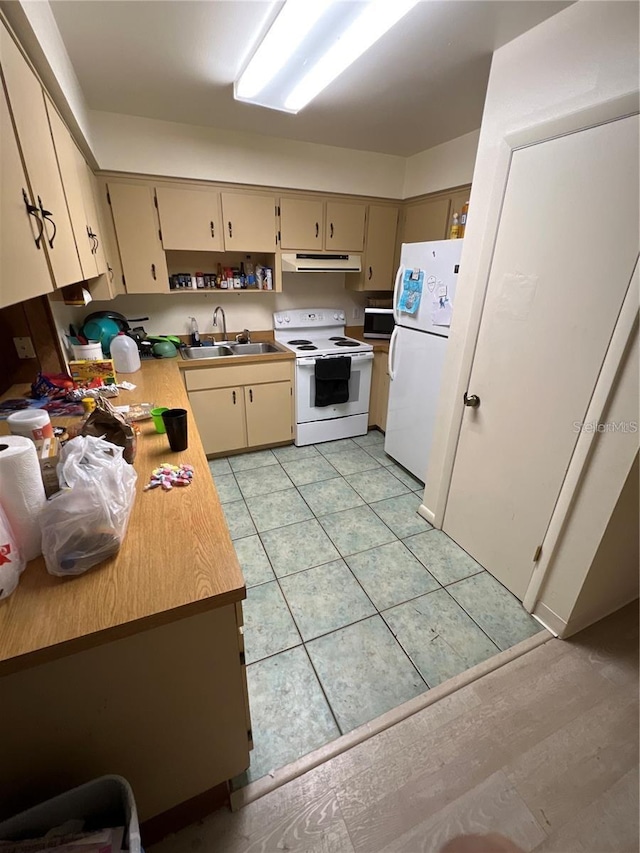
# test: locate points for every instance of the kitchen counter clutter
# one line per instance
(137, 665)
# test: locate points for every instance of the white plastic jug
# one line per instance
(125, 355)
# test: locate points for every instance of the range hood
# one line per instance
(307, 262)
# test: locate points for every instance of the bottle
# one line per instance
(125, 355)
(219, 276)
(463, 218)
(195, 334)
(455, 228)
(243, 276)
(251, 276)
(237, 284)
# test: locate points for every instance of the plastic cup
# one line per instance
(156, 415)
(175, 423)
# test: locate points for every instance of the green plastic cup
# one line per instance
(158, 423)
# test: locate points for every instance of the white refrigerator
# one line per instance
(427, 275)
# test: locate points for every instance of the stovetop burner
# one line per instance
(341, 338)
(345, 343)
(307, 347)
(301, 342)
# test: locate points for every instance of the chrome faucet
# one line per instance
(224, 321)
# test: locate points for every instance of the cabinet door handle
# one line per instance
(213, 229)
(331, 230)
(32, 210)
(234, 397)
(317, 230)
(230, 229)
(110, 269)
(250, 395)
(370, 273)
(153, 272)
(95, 237)
(46, 214)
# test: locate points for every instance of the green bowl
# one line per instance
(164, 349)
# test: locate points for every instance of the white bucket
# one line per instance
(88, 352)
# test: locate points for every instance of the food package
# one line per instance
(48, 450)
(84, 372)
(105, 422)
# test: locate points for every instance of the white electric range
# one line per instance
(318, 333)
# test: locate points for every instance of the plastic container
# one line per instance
(125, 355)
(31, 423)
(104, 802)
(88, 352)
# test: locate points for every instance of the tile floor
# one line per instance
(355, 604)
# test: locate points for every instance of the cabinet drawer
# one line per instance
(239, 374)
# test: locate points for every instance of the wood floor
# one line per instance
(544, 750)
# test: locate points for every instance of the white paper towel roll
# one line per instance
(21, 492)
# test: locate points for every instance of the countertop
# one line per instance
(177, 558)
(356, 332)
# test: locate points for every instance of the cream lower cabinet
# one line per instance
(242, 405)
(379, 402)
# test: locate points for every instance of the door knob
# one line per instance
(471, 400)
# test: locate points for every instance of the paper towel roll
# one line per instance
(21, 492)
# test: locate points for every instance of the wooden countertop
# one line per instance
(356, 332)
(177, 558)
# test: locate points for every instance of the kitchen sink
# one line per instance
(227, 349)
(254, 349)
(206, 352)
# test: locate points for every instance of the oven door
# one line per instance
(359, 390)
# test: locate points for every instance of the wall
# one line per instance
(612, 580)
(133, 144)
(549, 80)
(169, 314)
(447, 165)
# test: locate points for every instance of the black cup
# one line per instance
(175, 423)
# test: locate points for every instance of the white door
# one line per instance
(416, 360)
(565, 251)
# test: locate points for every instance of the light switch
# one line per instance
(24, 347)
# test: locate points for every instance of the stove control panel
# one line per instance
(310, 318)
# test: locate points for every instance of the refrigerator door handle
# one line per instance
(392, 349)
(399, 274)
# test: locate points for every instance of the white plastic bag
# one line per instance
(11, 563)
(86, 522)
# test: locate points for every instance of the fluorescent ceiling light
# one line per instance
(296, 19)
(378, 17)
(309, 44)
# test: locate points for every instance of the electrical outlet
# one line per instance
(24, 347)
(356, 314)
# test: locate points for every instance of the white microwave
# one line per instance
(378, 323)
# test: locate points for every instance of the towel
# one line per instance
(332, 380)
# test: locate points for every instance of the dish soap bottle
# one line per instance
(195, 333)
(125, 355)
(463, 218)
(454, 233)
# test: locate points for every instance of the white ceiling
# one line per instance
(422, 84)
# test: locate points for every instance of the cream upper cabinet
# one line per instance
(134, 216)
(344, 227)
(190, 219)
(377, 264)
(24, 272)
(70, 162)
(110, 284)
(94, 222)
(301, 223)
(427, 220)
(249, 222)
(269, 413)
(26, 101)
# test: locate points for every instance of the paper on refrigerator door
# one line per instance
(412, 282)
(441, 311)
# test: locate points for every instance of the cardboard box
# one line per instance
(84, 372)
(48, 450)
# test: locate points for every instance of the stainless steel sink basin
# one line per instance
(206, 352)
(253, 349)
(227, 349)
